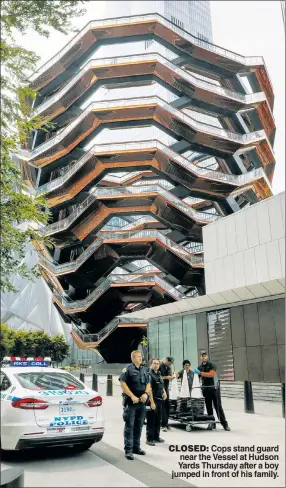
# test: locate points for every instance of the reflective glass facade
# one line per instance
(193, 16)
(174, 336)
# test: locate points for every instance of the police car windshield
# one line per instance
(48, 381)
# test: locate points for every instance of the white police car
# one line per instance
(44, 406)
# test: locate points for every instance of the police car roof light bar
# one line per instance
(30, 361)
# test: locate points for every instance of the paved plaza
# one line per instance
(104, 464)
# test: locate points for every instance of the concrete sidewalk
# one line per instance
(271, 409)
(260, 429)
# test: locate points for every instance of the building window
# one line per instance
(148, 44)
(190, 339)
(176, 341)
(164, 338)
(202, 37)
(177, 22)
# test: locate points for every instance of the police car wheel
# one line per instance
(189, 428)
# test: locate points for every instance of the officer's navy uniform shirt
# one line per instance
(206, 368)
(165, 371)
(135, 378)
(157, 384)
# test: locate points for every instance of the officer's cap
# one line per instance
(203, 353)
(170, 359)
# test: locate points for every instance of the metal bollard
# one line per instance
(94, 382)
(109, 385)
(81, 377)
(283, 399)
(12, 478)
(248, 398)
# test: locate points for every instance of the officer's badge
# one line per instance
(124, 370)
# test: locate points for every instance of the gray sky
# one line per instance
(250, 28)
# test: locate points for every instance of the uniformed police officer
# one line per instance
(135, 383)
(157, 395)
(207, 371)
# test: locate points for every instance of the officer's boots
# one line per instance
(129, 455)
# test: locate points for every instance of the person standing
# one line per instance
(157, 395)
(190, 375)
(135, 384)
(165, 370)
(207, 372)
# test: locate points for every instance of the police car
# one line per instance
(44, 406)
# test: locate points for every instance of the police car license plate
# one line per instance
(64, 409)
(56, 429)
(85, 427)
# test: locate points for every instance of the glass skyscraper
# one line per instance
(193, 16)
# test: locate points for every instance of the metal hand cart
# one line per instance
(190, 411)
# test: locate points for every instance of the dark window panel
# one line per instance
(279, 315)
(266, 323)
(281, 359)
(251, 324)
(270, 364)
(240, 364)
(237, 326)
(254, 363)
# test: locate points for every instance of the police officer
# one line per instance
(165, 370)
(135, 384)
(157, 395)
(207, 372)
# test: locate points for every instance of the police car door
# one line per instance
(62, 403)
(6, 390)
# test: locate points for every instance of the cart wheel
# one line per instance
(189, 428)
(210, 427)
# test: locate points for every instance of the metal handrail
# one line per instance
(132, 58)
(190, 258)
(96, 193)
(245, 60)
(152, 100)
(113, 279)
(237, 180)
(106, 330)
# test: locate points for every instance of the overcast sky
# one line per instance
(250, 28)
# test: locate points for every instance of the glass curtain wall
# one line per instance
(174, 336)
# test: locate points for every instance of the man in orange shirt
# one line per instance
(207, 372)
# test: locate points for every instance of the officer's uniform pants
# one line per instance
(154, 422)
(166, 410)
(212, 398)
(133, 417)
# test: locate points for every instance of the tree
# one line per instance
(60, 348)
(18, 204)
(6, 340)
(32, 344)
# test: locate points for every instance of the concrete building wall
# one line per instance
(246, 343)
(246, 248)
